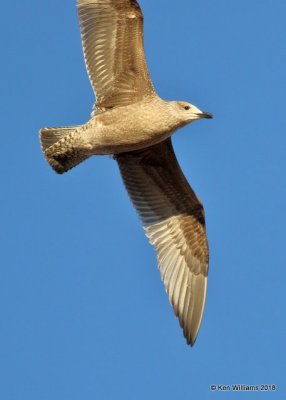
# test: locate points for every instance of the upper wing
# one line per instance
(112, 39)
(174, 222)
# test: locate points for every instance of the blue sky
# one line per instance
(84, 314)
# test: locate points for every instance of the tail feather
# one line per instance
(62, 147)
(50, 136)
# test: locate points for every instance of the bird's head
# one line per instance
(188, 113)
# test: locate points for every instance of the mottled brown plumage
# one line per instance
(112, 37)
(134, 124)
(174, 222)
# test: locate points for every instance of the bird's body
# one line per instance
(131, 122)
(127, 128)
(131, 127)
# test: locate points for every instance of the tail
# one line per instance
(62, 147)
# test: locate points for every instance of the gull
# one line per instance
(132, 123)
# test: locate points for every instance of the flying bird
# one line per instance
(132, 123)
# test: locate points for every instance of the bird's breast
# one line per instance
(129, 128)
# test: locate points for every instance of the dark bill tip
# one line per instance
(206, 115)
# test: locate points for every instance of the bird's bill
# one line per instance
(198, 114)
(205, 114)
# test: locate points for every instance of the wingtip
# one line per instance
(190, 338)
(191, 342)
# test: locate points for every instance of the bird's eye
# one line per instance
(187, 107)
